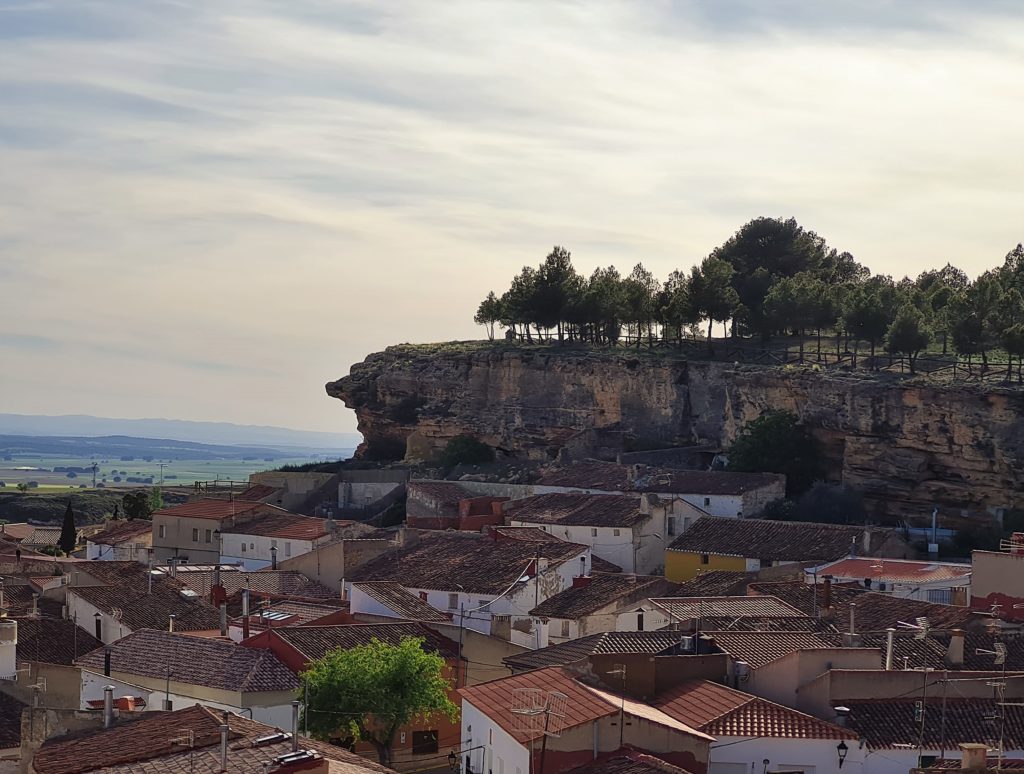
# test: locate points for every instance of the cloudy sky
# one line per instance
(209, 209)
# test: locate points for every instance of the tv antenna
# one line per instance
(539, 712)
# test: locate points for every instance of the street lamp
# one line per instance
(841, 750)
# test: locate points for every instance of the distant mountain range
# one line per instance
(217, 433)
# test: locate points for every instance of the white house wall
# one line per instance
(490, 748)
(84, 614)
(257, 549)
(741, 755)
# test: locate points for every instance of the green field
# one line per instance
(24, 468)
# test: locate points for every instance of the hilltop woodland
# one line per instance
(775, 279)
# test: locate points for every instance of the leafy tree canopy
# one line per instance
(367, 693)
(137, 504)
(466, 450)
(775, 442)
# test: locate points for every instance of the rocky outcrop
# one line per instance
(907, 445)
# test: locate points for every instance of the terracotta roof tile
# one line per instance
(213, 508)
(895, 570)
(403, 603)
(444, 561)
(888, 723)
(275, 583)
(281, 524)
(874, 612)
(721, 711)
(258, 492)
(10, 721)
(445, 492)
(682, 608)
(627, 762)
(715, 583)
(150, 745)
(204, 661)
(315, 641)
(785, 541)
(121, 530)
(656, 643)
(53, 640)
(599, 591)
(761, 648)
(298, 613)
(574, 510)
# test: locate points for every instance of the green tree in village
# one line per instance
(137, 504)
(368, 692)
(68, 534)
(908, 334)
(776, 442)
(488, 314)
(713, 294)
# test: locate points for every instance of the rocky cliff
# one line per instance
(907, 445)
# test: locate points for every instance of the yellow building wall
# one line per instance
(683, 566)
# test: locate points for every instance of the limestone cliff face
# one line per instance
(908, 446)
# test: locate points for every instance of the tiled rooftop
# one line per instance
(203, 661)
(660, 642)
(569, 509)
(213, 508)
(126, 596)
(275, 583)
(890, 723)
(585, 703)
(53, 640)
(152, 745)
(122, 530)
(784, 541)
(280, 524)
(874, 612)
(445, 492)
(599, 591)
(10, 721)
(404, 604)
(259, 492)
(298, 613)
(627, 762)
(762, 648)
(682, 608)
(721, 711)
(315, 641)
(613, 477)
(715, 583)
(446, 561)
(895, 570)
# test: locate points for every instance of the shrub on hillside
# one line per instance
(466, 450)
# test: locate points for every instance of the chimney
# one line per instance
(853, 618)
(646, 501)
(35, 606)
(295, 726)
(581, 581)
(245, 614)
(224, 747)
(106, 661)
(223, 619)
(273, 557)
(890, 635)
(841, 715)
(955, 652)
(866, 541)
(108, 706)
(170, 622)
(974, 757)
(826, 593)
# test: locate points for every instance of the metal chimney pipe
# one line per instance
(853, 618)
(295, 726)
(245, 602)
(224, 748)
(890, 634)
(170, 622)
(273, 557)
(223, 619)
(108, 706)
(35, 605)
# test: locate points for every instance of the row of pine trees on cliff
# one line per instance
(771, 278)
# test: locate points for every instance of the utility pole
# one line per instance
(162, 466)
(95, 467)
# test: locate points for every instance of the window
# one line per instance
(424, 742)
(671, 525)
(453, 601)
(195, 534)
(162, 532)
(707, 501)
(287, 548)
(615, 532)
(252, 546)
(593, 532)
(423, 596)
(209, 536)
(243, 548)
(565, 628)
(705, 559)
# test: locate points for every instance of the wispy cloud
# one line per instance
(285, 186)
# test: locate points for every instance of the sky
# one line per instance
(210, 209)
